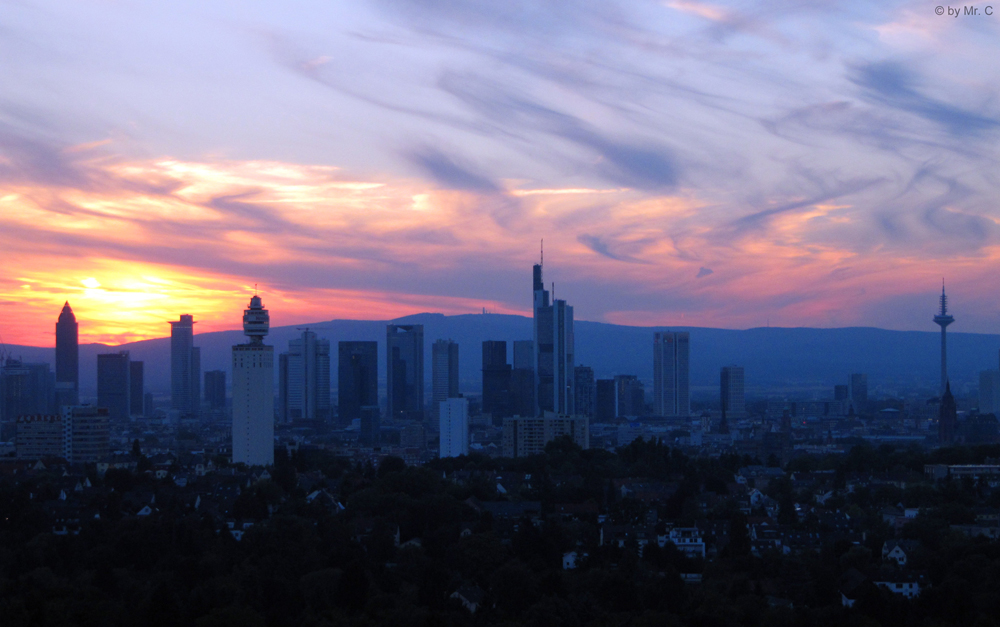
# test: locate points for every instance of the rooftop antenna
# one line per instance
(254, 289)
(541, 260)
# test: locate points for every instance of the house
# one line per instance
(569, 560)
(688, 541)
(852, 585)
(902, 582)
(470, 596)
(899, 551)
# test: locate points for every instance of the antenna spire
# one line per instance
(541, 260)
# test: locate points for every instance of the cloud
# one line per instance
(894, 85)
(446, 171)
(703, 272)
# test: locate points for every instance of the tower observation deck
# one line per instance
(943, 319)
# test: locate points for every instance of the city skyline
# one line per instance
(718, 166)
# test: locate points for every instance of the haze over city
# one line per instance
(686, 163)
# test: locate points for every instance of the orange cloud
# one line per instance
(133, 244)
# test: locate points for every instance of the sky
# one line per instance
(731, 165)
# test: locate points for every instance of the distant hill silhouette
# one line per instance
(773, 357)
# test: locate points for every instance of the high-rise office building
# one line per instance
(554, 350)
(671, 373)
(444, 372)
(858, 384)
(731, 390)
(522, 380)
(253, 390)
(523, 436)
(605, 403)
(215, 390)
(841, 392)
(496, 379)
(630, 396)
(88, 436)
(185, 368)
(989, 392)
(583, 386)
(357, 380)
(25, 389)
(67, 358)
(405, 371)
(114, 388)
(137, 387)
(306, 378)
(454, 427)
(40, 436)
(370, 432)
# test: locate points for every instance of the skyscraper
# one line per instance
(630, 396)
(583, 387)
(454, 427)
(67, 358)
(215, 390)
(605, 407)
(185, 368)
(137, 387)
(989, 392)
(522, 380)
(444, 371)
(554, 351)
(25, 389)
(357, 379)
(405, 371)
(671, 373)
(858, 384)
(943, 319)
(114, 388)
(253, 391)
(731, 390)
(307, 378)
(496, 379)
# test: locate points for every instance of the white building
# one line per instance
(454, 423)
(253, 391)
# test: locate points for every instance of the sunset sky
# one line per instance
(700, 164)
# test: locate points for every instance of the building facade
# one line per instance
(671, 373)
(989, 392)
(732, 391)
(523, 436)
(67, 388)
(583, 388)
(357, 379)
(553, 351)
(114, 387)
(496, 379)
(444, 372)
(305, 379)
(137, 387)
(185, 368)
(253, 390)
(215, 390)
(454, 427)
(405, 371)
(88, 436)
(41, 436)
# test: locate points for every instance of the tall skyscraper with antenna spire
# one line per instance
(553, 350)
(943, 319)
(67, 358)
(253, 391)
